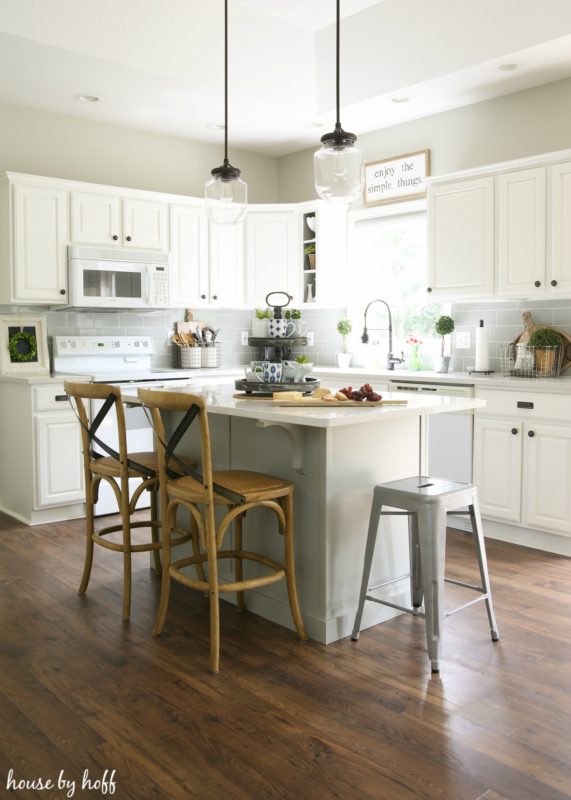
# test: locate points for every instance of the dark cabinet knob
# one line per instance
(554, 283)
(215, 297)
(203, 296)
(537, 284)
(62, 291)
(429, 289)
(514, 431)
(115, 238)
(531, 434)
(128, 238)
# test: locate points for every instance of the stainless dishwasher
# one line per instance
(450, 436)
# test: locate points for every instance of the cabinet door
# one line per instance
(271, 258)
(95, 219)
(40, 242)
(461, 239)
(189, 249)
(497, 467)
(521, 233)
(559, 278)
(547, 477)
(226, 275)
(144, 224)
(59, 462)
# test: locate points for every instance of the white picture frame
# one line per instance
(12, 365)
(396, 179)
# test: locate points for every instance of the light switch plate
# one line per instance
(463, 340)
(310, 339)
(244, 338)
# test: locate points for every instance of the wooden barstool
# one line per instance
(426, 501)
(120, 466)
(240, 491)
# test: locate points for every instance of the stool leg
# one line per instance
(369, 552)
(480, 545)
(89, 530)
(126, 529)
(290, 568)
(415, 565)
(168, 517)
(432, 538)
(238, 561)
(154, 529)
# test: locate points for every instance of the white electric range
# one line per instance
(116, 360)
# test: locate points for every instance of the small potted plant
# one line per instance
(294, 314)
(546, 342)
(344, 327)
(309, 251)
(260, 322)
(444, 327)
(303, 367)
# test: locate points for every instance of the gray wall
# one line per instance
(60, 146)
(513, 126)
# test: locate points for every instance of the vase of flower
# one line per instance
(415, 359)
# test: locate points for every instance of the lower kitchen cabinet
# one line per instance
(497, 467)
(59, 463)
(547, 477)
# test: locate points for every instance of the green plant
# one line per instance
(263, 313)
(23, 346)
(301, 360)
(293, 313)
(344, 327)
(545, 337)
(443, 327)
(309, 249)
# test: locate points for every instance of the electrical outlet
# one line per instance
(463, 340)
(310, 339)
(244, 338)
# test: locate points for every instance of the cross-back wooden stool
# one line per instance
(116, 469)
(240, 491)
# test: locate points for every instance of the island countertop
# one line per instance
(220, 400)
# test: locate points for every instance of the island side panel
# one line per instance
(358, 458)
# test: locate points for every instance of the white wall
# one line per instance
(44, 143)
(513, 126)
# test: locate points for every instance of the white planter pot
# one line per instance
(441, 363)
(259, 328)
(344, 360)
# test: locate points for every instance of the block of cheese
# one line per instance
(288, 396)
(323, 394)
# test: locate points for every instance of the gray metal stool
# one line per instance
(426, 502)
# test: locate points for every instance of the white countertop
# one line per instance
(220, 400)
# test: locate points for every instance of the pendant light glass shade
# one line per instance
(226, 194)
(339, 163)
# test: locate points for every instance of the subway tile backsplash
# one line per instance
(160, 324)
(505, 323)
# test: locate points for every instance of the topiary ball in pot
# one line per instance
(547, 343)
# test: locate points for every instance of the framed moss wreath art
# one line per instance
(23, 345)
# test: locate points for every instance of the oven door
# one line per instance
(109, 284)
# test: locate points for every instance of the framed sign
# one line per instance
(393, 180)
(23, 345)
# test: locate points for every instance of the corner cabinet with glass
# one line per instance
(322, 254)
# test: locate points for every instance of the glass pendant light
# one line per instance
(226, 193)
(339, 172)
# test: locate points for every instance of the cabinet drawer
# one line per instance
(50, 398)
(525, 404)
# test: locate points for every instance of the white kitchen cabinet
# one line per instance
(189, 252)
(461, 239)
(521, 233)
(322, 280)
(559, 274)
(497, 467)
(59, 463)
(547, 477)
(106, 218)
(33, 244)
(272, 254)
(226, 281)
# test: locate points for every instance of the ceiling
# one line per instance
(159, 66)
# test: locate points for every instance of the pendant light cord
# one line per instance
(338, 39)
(226, 81)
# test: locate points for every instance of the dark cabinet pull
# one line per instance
(514, 431)
(62, 291)
(215, 297)
(554, 282)
(524, 404)
(531, 434)
(429, 289)
(203, 296)
(60, 398)
(537, 284)
(128, 238)
(115, 238)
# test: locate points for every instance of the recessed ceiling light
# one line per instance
(509, 66)
(401, 98)
(215, 126)
(316, 124)
(86, 98)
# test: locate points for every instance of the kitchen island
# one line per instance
(334, 457)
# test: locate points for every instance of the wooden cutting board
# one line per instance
(530, 327)
(312, 402)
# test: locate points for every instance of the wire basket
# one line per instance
(529, 361)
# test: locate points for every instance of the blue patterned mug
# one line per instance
(272, 372)
(280, 328)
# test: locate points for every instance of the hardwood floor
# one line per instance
(80, 690)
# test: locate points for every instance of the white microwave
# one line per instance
(117, 279)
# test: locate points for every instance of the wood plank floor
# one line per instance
(80, 690)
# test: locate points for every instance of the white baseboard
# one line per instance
(503, 532)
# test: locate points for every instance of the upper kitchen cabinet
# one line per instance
(189, 252)
(521, 233)
(108, 219)
(34, 233)
(323, 254)
(226, 281)
(559, 273)
(461, 239)
(272, 252)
